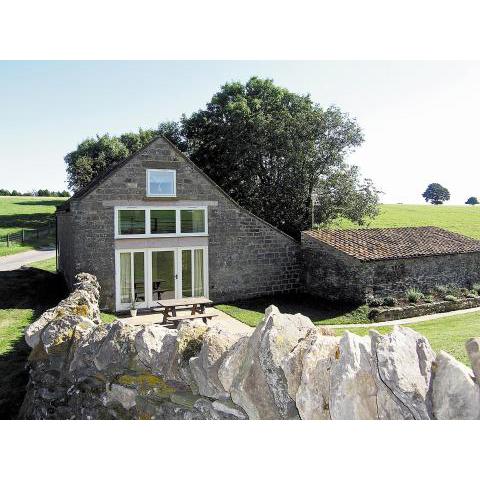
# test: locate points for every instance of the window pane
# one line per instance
(161, 182)
(198, 290)
(186, 273)
(125, 278)
(138, 277)
(131, 222)
(162, 221)
(163, 275)
(192, 221)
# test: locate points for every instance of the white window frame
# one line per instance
(148, 273)
(170, 195)
(148, 233)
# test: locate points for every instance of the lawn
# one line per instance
(448, 334)
(26, 212)
(463, 219)
(251, 311)
(24, 295)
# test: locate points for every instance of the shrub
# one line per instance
(471, 295)
(476, 287)
(428, 299)
(373, 301)
(442, 289)
(464, 291)
(390, 301)
(414, 295)
(373, 313)
(450, 298)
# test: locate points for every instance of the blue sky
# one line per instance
(419, 118)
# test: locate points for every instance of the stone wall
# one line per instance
(247, 256)
(285, 369)
(331, 274)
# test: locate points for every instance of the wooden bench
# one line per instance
(203, 316)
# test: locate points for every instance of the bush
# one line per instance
(373, 313)
(428, 299)
(472, 295)
(414, 295)
(450, 298)
(390, 301)
(373, 301)
(442, 289)
(476, 287)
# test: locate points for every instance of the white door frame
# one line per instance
(125, 306)
(148, 272)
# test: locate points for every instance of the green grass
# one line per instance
(26, 212)
(463, 219)
(448, 334)
(107, 317)
(48, 265)
(251, 311)
(24, 295)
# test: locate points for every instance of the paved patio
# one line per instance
(222, 320)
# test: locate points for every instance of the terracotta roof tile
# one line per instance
(369, 244)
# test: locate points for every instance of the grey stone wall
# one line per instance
(64, 246)
(333, 275)
(247, 257)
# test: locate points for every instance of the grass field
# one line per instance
(463, 219)
(448, 334)
(26, 212)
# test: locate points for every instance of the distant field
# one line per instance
(25, 212)
(463, 219)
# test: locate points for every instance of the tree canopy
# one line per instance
(436, 194)
(472, 201)
(277, 153)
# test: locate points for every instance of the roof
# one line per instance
(101, 177)
(370, 244)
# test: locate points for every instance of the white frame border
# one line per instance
(147, 233)
(161, 170)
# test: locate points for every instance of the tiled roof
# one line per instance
(369, 244)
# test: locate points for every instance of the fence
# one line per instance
(28, 235)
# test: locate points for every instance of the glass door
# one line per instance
(131, 279)
(192, 274)
(164, 275)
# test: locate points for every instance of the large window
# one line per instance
(163, 221)
(161, 183)
(131, 222)
(160, 221)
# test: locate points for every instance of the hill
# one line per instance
(463, 219)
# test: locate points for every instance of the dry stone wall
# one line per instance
(286, 369)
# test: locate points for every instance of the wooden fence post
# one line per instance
(8, 240)
(23, 236)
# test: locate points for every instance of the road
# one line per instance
(12, 262)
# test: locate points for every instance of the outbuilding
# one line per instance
(347, 265)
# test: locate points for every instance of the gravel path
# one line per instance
(406, 321)
(13, 262)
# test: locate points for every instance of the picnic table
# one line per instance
(196, 305)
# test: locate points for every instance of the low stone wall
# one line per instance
(286, 369)
(382, 314)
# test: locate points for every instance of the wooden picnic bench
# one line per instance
(196, 305)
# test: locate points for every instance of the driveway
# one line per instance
(12, 262)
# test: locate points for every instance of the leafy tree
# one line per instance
(279, 154)
(275, 152)
(4, 192)
(472, 201)
(44, 192)
(16, 193)
(436, 194)
(94, 155)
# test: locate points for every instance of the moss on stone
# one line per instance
(146, 383)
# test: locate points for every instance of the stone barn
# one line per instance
(347, 265)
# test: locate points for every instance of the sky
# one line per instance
(419, 119)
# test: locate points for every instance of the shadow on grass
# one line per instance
(26, 220)
(46, 203)
(316, 309)
(25, 289)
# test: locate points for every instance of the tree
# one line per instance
(4, 192)
(436, 194)
(472, 201)
(278, 154)
(94, 155)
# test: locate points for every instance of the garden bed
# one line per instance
(385, 314)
